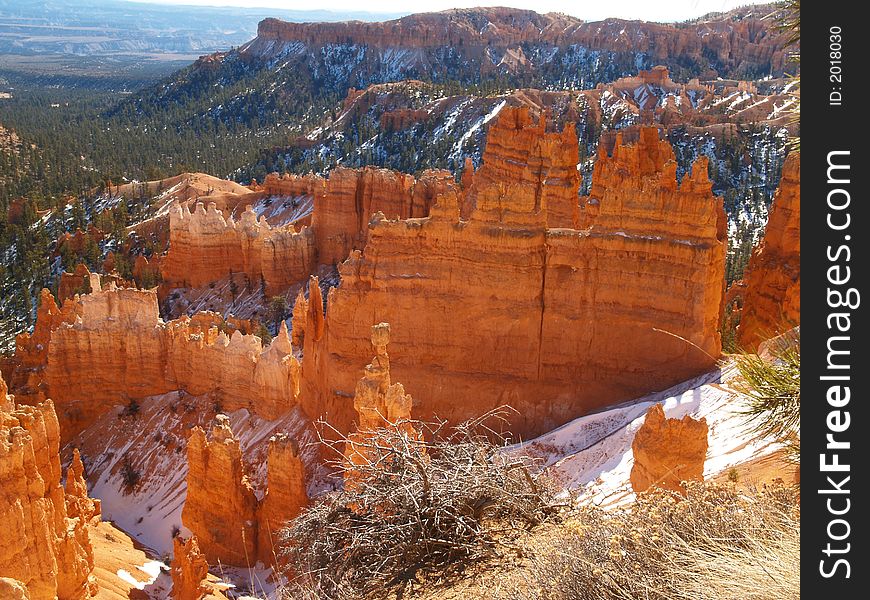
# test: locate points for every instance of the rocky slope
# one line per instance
(280, 84)
(487, 40)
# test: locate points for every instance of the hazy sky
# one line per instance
(648, 10)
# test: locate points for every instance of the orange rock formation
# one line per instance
(189, 570)
(12, 589)
(668, 451)
(345, 202)
(286, 495)
(113, 347)
(203, 247)
(231, 525)
(78, 504)
(40, 545)
(220, 509)
(771, 301)
(31, 349)
(377, 401)
(528, 177)
(502, 309)
(735, 42)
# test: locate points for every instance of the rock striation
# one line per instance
(771, 299)
(504, 309)
(668, 452)
(43, 547)
(231, 525)
(528, 177)
(345, 202)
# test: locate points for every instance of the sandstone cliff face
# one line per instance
(737, 43)
(231, 525)
(118, 349)
(189, 570)
(203, 247)
(285, 497)
(31, 350)
(345, 202)
(220, 508)
(771, 300)
(40, 546)
(528, 177)
(668, 451)
(501, 309)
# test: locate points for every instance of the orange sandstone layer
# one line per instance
(500, 309)
(220, 508)
(378, 403)
(204, 247)
(772, 298)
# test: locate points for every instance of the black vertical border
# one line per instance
(825, 128)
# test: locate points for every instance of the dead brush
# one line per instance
(419, 506)
(715, 544)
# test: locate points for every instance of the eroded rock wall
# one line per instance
(220, 508)
(204, 247)
(40, 545)
(118, 349)
(772, 296)
(500, 309)
(344, 203)
(231, 525)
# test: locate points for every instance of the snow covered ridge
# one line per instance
(592, 455)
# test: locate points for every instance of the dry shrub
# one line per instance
(416, 509)
(714, 544)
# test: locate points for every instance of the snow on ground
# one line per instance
(256, 583)
(281, 210)
(152, 569)
(457, 147)
(153, 443)
(592, 455)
